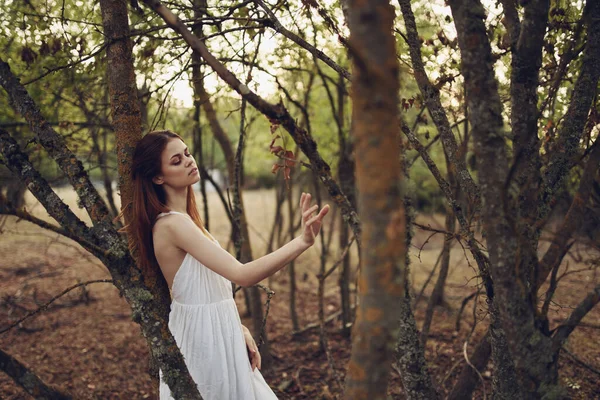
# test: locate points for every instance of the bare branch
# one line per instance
(277, 26)
(431, 96)
(572, 221)
(28, 380)
(52, 300)
(56, 147)
(19, 164)
(562, 332)
(571, 129)
(276, 113)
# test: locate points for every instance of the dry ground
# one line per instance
(87, 344)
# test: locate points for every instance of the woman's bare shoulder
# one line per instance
(165, 226)
(171, 226)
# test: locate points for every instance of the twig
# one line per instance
(316, 324)
(581, 363)
(462, 307)
(276, 25)
(466, 356)
(270, 294)
(45, 306)
(418, 298)
(338, 262)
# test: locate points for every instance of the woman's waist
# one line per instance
(208, 303)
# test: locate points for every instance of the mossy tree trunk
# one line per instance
(517, 196)
(375, 123)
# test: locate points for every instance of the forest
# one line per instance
(456, 142)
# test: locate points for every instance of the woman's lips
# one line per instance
(193, 170)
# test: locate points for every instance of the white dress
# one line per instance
(206, 325)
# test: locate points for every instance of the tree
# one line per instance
(375, 122)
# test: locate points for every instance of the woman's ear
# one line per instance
(158, 180)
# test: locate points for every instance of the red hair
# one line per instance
(149, 199)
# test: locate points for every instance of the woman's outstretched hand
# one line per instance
(311, 225)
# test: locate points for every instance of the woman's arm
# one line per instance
(187, 236)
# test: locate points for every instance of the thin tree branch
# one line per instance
(20, 166)
(570, 131)
(56, 147)
(28, 380)
(52, 300)
(276, 113)
(431, 96)
(562, 332)
(277, 26)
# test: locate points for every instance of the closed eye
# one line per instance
(179, 159)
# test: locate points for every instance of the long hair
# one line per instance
(149, 199)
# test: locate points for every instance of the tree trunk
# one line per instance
(197, 84)
(291, 266)
(348, 185)
(375, 117)
(468, 379)
(127, 124)
(409, 352)
(437, 295)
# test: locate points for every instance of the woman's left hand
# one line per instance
(253, 353)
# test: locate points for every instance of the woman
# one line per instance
(167, 234)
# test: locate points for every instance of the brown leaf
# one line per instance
(289, 154)
(28, 55)
(274, 126)
(44, 49)
(56, 46)
(273, 141)
(276, 149)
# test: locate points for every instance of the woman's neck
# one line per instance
(179, 205)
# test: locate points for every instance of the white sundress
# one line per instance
(206, 325)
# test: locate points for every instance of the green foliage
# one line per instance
(60, 52)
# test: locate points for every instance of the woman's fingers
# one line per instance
(307, 213)
(324, 211)
(257, 357)
(311, 221)
(254, 359)
(319, 216)
(306, 203)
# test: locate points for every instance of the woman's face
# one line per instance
(177, 165)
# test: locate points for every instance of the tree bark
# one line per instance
(146, 310)
(127, 123)
(431, 96)
(529, 348)
(28, 380)
(125, 106)
(276, 113)
(197, 83)
(570, 131)
(468, 379)
(375, 117)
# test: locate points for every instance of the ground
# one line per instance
(87, 344)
